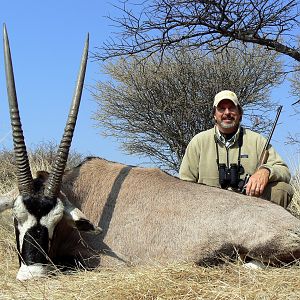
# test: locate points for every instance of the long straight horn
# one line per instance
(53, 186)
(24, 177)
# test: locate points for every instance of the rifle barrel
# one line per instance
(273, 127)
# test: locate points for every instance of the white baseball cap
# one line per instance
(228, 95)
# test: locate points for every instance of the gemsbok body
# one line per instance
(106, 213)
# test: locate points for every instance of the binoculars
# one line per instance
(229, 177)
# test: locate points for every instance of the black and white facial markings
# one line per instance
(36, 219)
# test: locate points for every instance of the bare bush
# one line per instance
(155, 107)
(152, 26)
(40, 157)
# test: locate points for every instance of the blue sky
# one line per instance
(46, 39)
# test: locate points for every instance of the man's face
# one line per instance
(227, 116)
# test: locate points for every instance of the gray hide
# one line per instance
(148, 216)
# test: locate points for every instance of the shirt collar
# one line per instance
(231, 141)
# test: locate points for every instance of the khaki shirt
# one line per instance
(199, 162)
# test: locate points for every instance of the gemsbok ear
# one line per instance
(6, 203)
(7, 200)
(76, 218)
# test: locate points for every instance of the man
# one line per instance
(223, 155)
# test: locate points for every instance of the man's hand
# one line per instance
(257, 182)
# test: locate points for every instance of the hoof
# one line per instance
(254, 265)
(31, 272)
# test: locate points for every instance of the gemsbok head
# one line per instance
(39, 206)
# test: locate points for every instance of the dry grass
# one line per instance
(181, 281)
(172, 282)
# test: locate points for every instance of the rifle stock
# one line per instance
(263, 158)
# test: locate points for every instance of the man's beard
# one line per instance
(228, 125)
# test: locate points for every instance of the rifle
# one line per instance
(265, 152)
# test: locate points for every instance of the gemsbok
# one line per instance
(103, 213)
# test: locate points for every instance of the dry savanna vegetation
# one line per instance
(178, 281)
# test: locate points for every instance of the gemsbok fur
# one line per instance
(103, 213)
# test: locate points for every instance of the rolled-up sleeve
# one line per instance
(278, 169)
